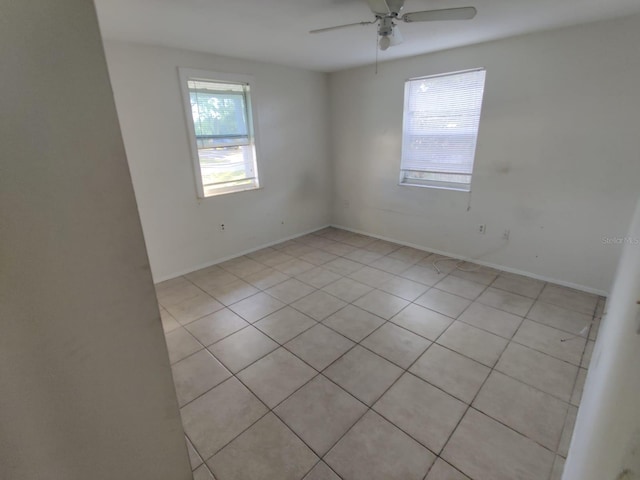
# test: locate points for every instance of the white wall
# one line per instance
(182, 233)
(558, 156)
(606, 439)
(85, 384)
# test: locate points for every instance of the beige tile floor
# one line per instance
(339, 356)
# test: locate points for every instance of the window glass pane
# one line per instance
(223, 135)
(441, 119)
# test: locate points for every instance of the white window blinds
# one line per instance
(441, 118)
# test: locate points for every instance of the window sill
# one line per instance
(229, 192)
(436, 187)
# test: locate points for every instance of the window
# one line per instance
(221, 126)
(440, 128)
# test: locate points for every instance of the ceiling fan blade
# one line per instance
(337, 27)
(462, 13)
(379, 7)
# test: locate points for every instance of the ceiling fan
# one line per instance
(387, 13)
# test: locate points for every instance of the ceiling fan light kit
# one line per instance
(387, 12)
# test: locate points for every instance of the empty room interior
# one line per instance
(320, 240)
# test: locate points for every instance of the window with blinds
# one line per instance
(220, 120)
(440, 128)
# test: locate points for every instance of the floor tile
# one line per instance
(576, 396)
(202, 473)
(363, 374)
(256, 307)
(396, 344)
(382, 247)
(294, 267)
(425, 275)
(353, 322)
(567, 431)
(535, 414)
(380, 303)
(194, 458)
(268, 451)
(259, 255)
(320, 413)
(560, 318)
(319, 346)
(319, 305)
(321, 472)
(409, 254)
(363, 256)
(441, 470)
(374, 449)
(423, 411)
(216, 326)
(242, 348)
(276, 258)
(443, 302)
(474, 343)
(339, 249)
(358, 240)
(455, 374)
(284, 324)
(290, 290)
(528, 287)
(295, 249)
(181, 344)
(404, 288)
(392, 265)
(440, 263)
(347, 289)
(507, 301)
(424, 322)
(218, 416)
(266, 278)
(276, 376)
(558, 468)
(484, 449)
(475, 273)
(194, 308)
(569, 298)
(178, 290)
(211, 277)
(550, 341)
(595, 328)
(168, 322)
(242, 266)
(539, 370)
(588, 352)
(371, 276)
(342, 266)
(318, 277)
(461, 287)
(491, 319)
(318, 257)
(197, 374)
(232, 292)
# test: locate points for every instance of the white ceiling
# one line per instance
(276, 31)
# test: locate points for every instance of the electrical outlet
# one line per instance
(222, 227)
(505, 235)
(482, 228)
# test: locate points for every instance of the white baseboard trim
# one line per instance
(238, 254)
(480, 262)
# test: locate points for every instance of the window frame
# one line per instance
(188, 74)
(438, 184)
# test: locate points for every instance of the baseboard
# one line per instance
(480, 262)
(238, 254)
